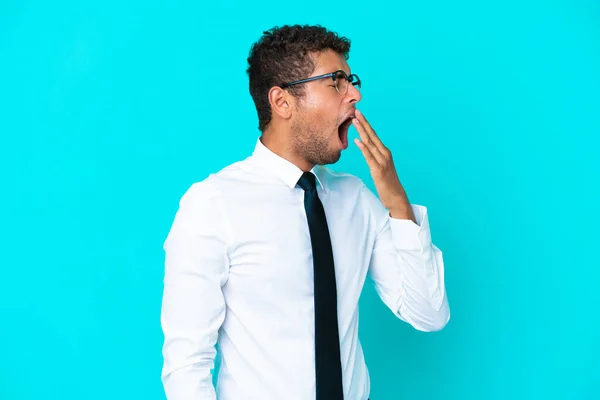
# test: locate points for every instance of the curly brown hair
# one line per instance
(283, 54)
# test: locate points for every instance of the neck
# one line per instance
(279, 143)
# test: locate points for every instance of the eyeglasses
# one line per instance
(340, 80)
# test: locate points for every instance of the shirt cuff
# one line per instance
(407, 235)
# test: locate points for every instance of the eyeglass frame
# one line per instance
(350, 78)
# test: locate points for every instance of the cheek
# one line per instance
(326, 122)
(319, 118)
(326, 115)
(322, 112)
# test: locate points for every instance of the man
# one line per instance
(267, 258)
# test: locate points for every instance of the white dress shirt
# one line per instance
(238, 272)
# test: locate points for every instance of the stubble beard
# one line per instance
(310, 143)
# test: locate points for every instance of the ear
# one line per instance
(282, 103)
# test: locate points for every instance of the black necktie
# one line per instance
(327, 343)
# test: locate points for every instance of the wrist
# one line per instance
(402, 211)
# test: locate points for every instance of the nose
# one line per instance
(353, 95)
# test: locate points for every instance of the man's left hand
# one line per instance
(381, 165)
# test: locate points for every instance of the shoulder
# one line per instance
(211, 187)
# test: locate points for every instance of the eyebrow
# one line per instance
(336, 69)
(349, 72)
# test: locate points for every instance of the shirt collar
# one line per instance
(282, 168)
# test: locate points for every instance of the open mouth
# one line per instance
(343, 131)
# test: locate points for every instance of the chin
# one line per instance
(331, 158)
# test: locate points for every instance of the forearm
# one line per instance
(408, 271)
(422, 297)
(400, 207)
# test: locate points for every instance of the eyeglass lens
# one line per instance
(341, 81)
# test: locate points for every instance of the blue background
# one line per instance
(110, 110)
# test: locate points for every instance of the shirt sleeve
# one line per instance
(407, 268)
(193, 306)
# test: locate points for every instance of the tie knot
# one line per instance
(307, 182)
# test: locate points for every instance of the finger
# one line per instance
(370, 131)
(367, 141)
(371, 160)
